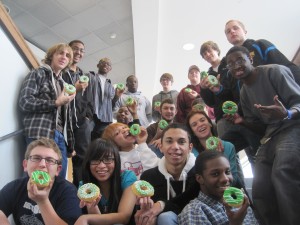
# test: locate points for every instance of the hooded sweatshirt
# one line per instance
(163, 182)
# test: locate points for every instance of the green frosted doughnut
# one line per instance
(212, 143)
(84, 79)
(212, 80)
(163, 124)
(198, 107)
(129, 101)
(229, 107)
(120, 86)
(88, 192)
(40, 178)
(233, 196)
(203, 74)
(157, 104)
(188, 90)
(142, 188)
(135, 129)
(69, 89)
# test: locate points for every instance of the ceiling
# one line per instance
(150, 33)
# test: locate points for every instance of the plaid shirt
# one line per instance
(207, 211)
(37, 102)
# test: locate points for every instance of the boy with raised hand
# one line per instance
(54, 204)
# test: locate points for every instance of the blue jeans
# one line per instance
(169, 218)
(276, 184)
(60, 141)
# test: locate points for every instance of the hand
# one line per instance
(237, 217)
(235, 119)
(39, 195)
(133, 108)
(156, 143)
(142, 137)
(157, 108)
(147, 216)
(92, 207)
(205, 84)
(119, 92)
(220, 147)
(145, 203)
(81, 86)
(70, 155)
(276, 111)
(63, 99)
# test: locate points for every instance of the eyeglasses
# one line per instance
(48, 160)
(81, 50)
(238, 62)
(104, 160)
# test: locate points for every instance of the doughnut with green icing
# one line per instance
(84, 79)
(69, 89)
(212, 80)
(212, 143)
(229, 107)
(40, 178)
(120, 86)
(88, 192)
(135, 129)
(157, 104)
(142, 188)
(198, 107)
(233, 197)
(203, 74)
(162, 124)
(188, 90)
(129, 101)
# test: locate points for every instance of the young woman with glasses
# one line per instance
(116, 202)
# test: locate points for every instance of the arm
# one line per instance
(148, 158)
(3, 219)
(123, 215)
(180, 107)
(148, 110)
(193, 214)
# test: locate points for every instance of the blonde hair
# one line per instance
(237, 21)
(110, 130)
(45, 142)
(58, 48)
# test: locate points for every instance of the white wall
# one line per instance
(12, 70)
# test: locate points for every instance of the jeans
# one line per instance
(241, 137)
(82, 135)
(98, 128)
(276, 184)
(169, 218)
(60, 141)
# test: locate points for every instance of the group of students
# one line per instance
(189, 181)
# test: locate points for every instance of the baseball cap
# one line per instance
(194, 67)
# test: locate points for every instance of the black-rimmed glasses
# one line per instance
(104, 160)
(48, 160)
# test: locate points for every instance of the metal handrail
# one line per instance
(12, 134)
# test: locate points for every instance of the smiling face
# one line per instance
(194, 76)
(200, 126)
(123, 115)
(104, 66)
(43, 152)
(60, 60)
(239, 64)
(176, 146)
(235, 32)
(103, 171)
(215, 178)
(123, 138)
(168, 111)
(211, 56)
(78, 52)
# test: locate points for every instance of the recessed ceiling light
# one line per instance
(113, 35)
(188, 46)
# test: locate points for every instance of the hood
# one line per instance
(130, 93)
(183, 176)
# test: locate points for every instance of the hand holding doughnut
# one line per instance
(163, 124)
(203, 74)
(234, 197)
(229, 107)
(69, 89)
(142, 188)
(84, 79)
(198, 107)
(212, 143)
(129, 101)
(135, 129)
(88, 192)
(121, 86)
(212, 80)
(188, 90)
(40, 178)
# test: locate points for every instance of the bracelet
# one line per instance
(289, 115)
